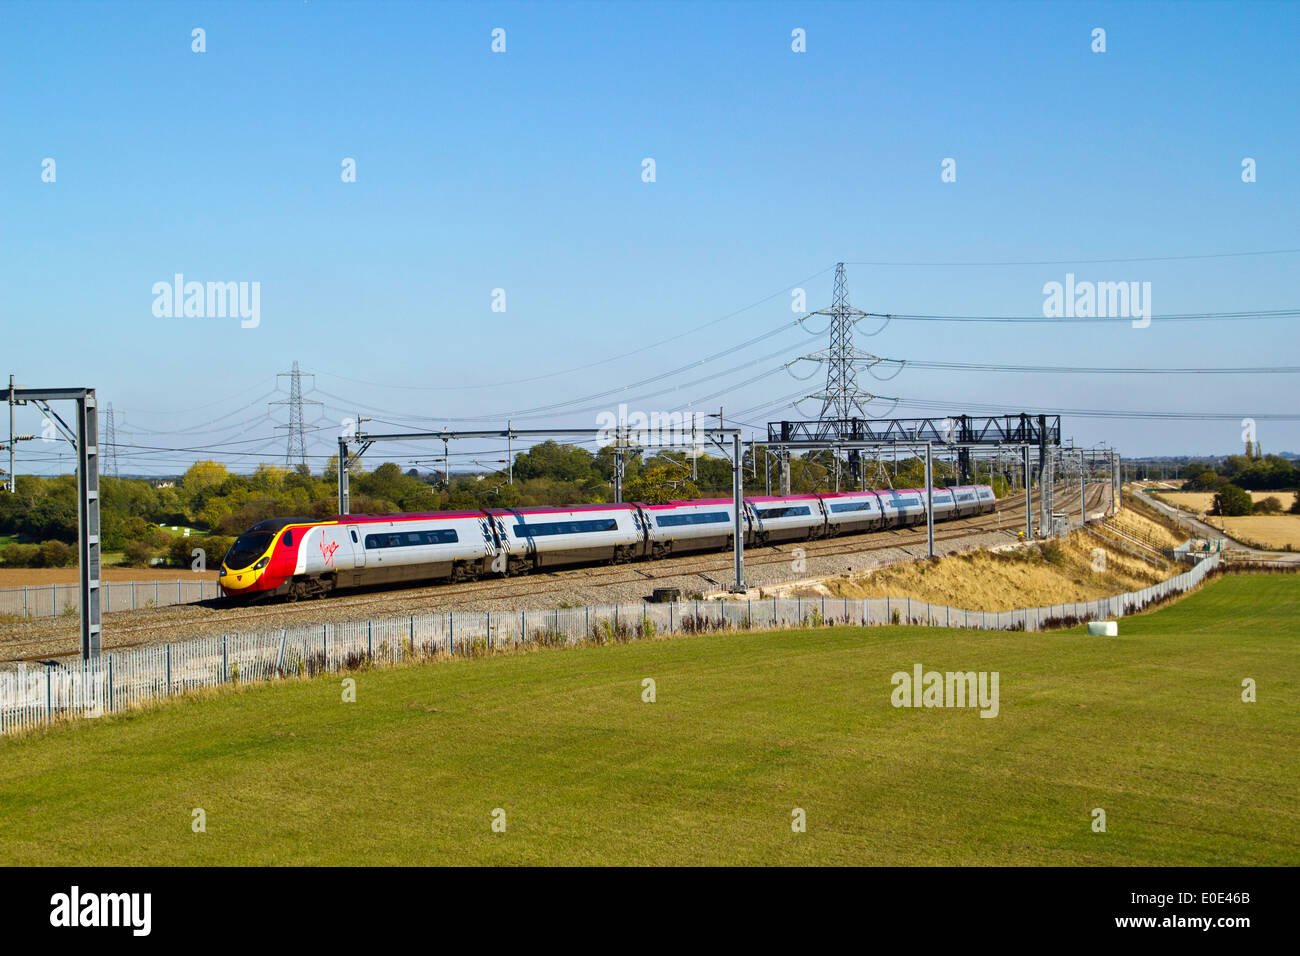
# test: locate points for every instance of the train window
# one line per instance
(565, 527)
(354, 537)
(698, 517)
(851, 506)
(288, 539)
(785, 511)
(411, 539)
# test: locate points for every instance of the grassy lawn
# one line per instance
(1149, 726)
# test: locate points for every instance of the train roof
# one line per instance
(397, 516)
(540, 510)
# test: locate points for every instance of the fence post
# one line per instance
(110, 682)
(224, 660)
(370, 642)
(24, 600)
(133, 595)
(169, 669)
(325, 643)
(49, 695)
(279, 658)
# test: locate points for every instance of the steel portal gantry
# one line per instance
(84, 438)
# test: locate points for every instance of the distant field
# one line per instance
(17, 577)
(1197, 502)
(1272, 532)
(1149, 727)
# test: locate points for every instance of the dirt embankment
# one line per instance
(1075, 568)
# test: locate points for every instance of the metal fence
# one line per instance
(31, 695)
(51, 600)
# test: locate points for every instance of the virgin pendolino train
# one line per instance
(299, 558)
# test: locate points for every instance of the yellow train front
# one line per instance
(264, 559)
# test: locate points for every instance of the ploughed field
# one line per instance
(745, 729)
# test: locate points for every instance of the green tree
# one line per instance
(1231, 500)
(660, 483)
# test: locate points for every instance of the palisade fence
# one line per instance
(51, 600)
(31, 695)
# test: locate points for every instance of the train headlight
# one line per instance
(261, 564)
(222, 572)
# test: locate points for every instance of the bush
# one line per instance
(1269, 506)
(47, 554)
(138, 554)
(56, 554)
(1053, 553)
(1231, 501)
(20, 555)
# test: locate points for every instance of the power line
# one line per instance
(1068, 369)
(1081, 262)
(589, 365)
(1181, 317)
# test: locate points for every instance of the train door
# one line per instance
(358, 547)
(751, 525)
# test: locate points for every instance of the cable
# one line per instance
(1066, 262)
(1065, 369)
(605, 361)
(1182, 317)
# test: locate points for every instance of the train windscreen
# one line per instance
(247, 549)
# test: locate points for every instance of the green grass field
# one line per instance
(1149, 726)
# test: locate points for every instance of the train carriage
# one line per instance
(966, 500)
(943, 501)
(701, 525)
(787, 518)
(902, 507)
(550, 537)
(851, 512)
(456, 545)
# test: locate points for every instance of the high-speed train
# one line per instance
(301, 557)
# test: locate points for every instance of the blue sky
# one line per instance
(522, 171)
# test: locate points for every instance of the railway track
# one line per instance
(142, 626)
